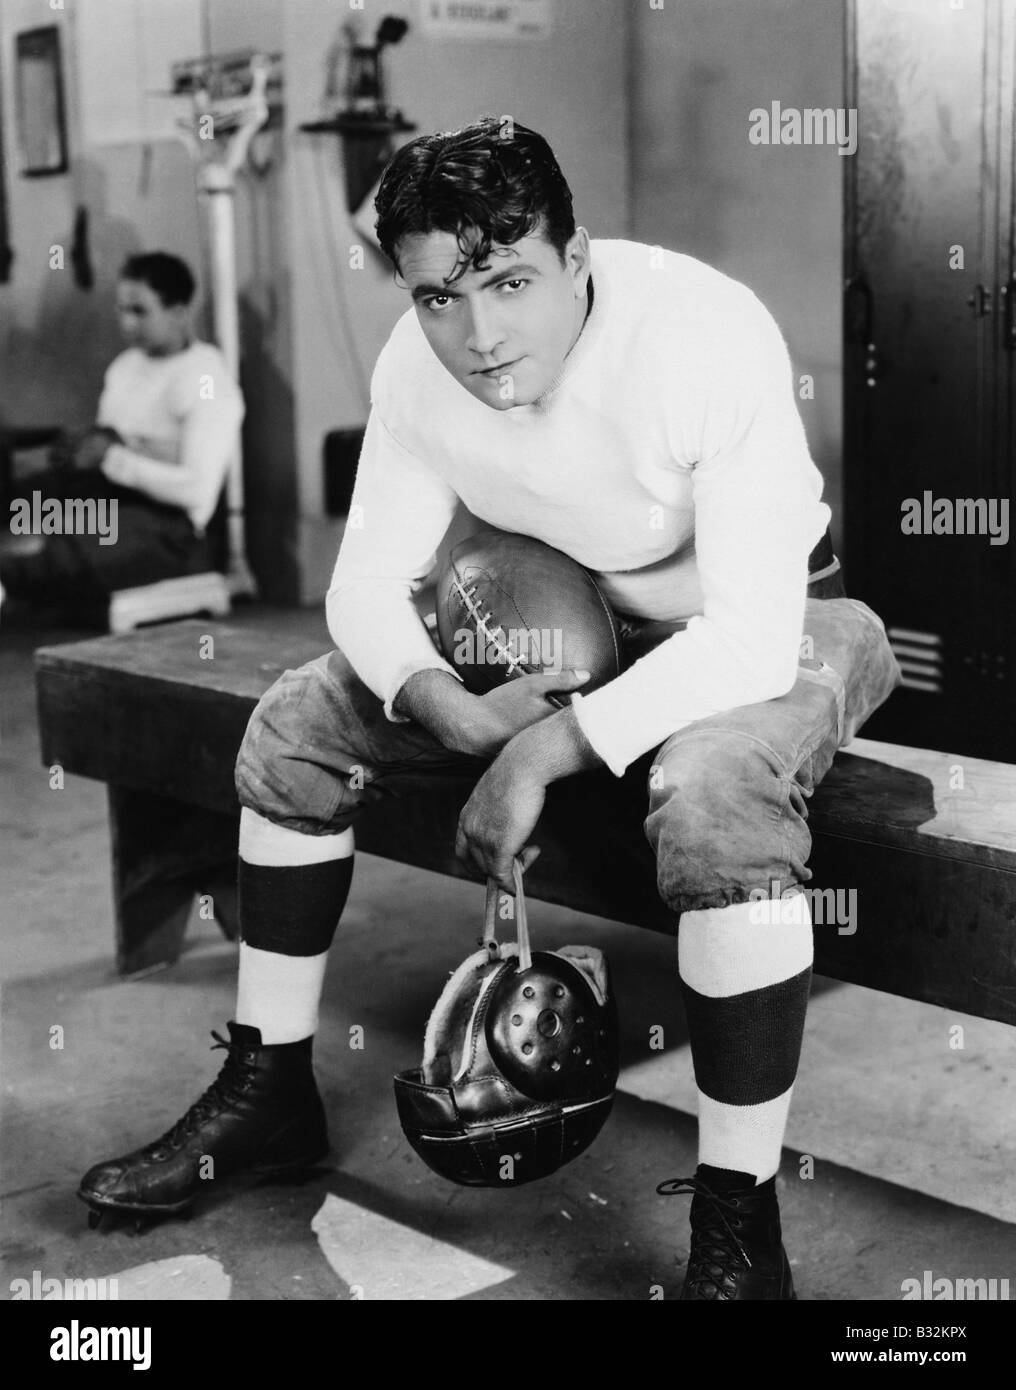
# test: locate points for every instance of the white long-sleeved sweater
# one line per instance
(668, 457)
(179, 417)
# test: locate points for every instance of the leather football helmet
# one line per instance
(520, 1060)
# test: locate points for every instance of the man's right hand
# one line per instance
(508, 709)
(481, 725)
(61, 453)
(82, 449)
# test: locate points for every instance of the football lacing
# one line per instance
(513, 662)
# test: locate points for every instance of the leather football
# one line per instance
(510, 606)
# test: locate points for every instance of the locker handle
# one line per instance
(858, 310)
(980, 301)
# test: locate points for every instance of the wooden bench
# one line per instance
(932, 862)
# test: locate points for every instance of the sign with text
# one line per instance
(486, 19)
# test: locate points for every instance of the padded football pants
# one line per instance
(727, 816)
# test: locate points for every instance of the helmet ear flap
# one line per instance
(448, 1026)
(593, 964)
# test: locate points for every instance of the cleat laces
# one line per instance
(716, 1256)
(233, 1082)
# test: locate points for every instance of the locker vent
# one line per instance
(920, 658)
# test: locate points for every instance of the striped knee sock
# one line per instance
(291, 890)
(745, 975)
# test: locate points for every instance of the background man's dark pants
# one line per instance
(153, 542)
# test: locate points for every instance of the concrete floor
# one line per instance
(911, 1144)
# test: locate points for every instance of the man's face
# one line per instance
(146, 322)
(503, 332)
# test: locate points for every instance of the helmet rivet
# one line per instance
(529, 992)
(549, 1023)
(580, 1019)
(559, 991)
(555, 1066)
(516, 1019)
(527, 1048)
(577, 1050)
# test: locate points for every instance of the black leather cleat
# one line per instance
(737, 1249)
(262, 1114)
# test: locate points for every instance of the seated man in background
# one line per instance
(167, 428)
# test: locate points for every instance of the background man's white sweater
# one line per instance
(668, 457)
(179, 417)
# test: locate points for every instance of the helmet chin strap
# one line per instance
(522, 926)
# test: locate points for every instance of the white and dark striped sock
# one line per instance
(292, 889)
(745, 976)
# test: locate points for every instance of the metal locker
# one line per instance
(928, 362)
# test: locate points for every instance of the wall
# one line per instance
(124, 52)
(40, 311)
(127, 168)
(238, 24)
(133, 173)
(646, 108)
(306, 316)
(769, 215)
(571, 87)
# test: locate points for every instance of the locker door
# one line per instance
(927, 378)
(1005, 404)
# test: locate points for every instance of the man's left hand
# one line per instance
(93, 447)
(498, 819)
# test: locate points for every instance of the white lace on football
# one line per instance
(493, 637)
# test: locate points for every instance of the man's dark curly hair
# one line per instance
(167, 275)
(492, 181)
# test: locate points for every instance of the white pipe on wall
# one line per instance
(218, 190)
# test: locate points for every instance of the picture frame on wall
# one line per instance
(39, 103)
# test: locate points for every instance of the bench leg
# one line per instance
(165, 852)
(222, 887)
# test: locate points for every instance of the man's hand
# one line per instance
(481, 725)
(93, 447)
(61, 453)
(84, 449)
(498, 819)
(508, 709)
